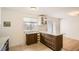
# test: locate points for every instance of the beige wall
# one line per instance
(15, 32)
(70, 27)
(0, 16)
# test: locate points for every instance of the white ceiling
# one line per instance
(59, 12)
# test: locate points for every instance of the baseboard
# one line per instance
(68, 37)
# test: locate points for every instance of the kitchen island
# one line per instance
(53, 41)
(31, 37)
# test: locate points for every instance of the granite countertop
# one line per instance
(52, 33)
(32, 32)
(3, 41)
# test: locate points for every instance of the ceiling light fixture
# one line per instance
(34, 8)
(74, 13)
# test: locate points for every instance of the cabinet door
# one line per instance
(31, 38)
(54, 42)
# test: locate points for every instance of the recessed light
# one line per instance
(34, 8)
(74, 13)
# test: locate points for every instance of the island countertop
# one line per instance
(50, 33)
(31, 32)
(55, 34)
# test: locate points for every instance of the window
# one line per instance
(30, 23)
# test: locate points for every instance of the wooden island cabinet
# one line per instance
(31, 38)
(55, 42)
